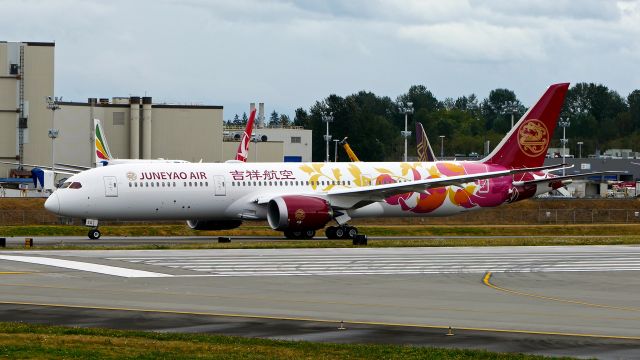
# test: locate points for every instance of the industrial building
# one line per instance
(38, 128)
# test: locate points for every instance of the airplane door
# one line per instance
(110, 186)
(218, 181)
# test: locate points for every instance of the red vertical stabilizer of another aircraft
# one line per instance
(527, 143)
(243, 148)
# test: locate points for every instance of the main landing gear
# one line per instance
(300, 234)
(341, 232)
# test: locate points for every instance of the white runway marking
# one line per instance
(403, 261)
(83, 266)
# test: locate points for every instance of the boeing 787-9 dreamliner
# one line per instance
(300, 198)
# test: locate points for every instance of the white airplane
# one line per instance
(300, 198)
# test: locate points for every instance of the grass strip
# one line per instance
(311, 244)
(24, 341)
(372, 230)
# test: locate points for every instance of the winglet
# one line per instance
(243, 147)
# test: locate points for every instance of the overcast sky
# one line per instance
(290, 54)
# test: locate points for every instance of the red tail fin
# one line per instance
(243, 147)
(527, 143)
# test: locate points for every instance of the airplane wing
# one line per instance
(562, 179)
(386, 190)
(59, 170)
(361, 196)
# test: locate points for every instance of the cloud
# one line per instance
(476, 41)
(290, 53)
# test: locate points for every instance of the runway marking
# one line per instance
(381, 263)
(487, 278)
(83, 266)
(15, 272)
(334, 321)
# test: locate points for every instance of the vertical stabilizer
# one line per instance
(527, 142)
(243, 147)
(424, 149)
(100, 146)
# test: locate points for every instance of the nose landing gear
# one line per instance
(94, 234)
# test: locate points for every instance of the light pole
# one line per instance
(441, 147)
(327, 118)
(406, 110)
(510, 107)
(564, 123)
(579, 149)
(52, 104)
(335, 150)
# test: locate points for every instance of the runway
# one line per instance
(580, 300)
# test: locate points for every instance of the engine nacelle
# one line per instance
(213, 224)
(298, 212)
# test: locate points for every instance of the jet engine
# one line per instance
(298, 212)
(213, 224)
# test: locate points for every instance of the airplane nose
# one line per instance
(53, 203)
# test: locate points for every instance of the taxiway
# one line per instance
(579, 300)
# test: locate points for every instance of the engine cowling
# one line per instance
(213, 224)
(297, 212)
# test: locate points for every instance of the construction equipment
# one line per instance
(348, 150)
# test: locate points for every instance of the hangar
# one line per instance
(135, 126)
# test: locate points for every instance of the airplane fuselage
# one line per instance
(227, 191)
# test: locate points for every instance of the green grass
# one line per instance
(23, 341)
(372, 230)
(600, 234)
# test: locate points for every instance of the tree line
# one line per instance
(599, 117)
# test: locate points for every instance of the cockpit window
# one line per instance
(75, 185)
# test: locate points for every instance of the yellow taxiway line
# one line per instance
(487, 278)
(334, 321)
(14, 272)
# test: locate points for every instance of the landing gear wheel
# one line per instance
(289, 234)
(94, 234)
(330, 232)
(340, 233)
(352, 232)
(309, 234)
